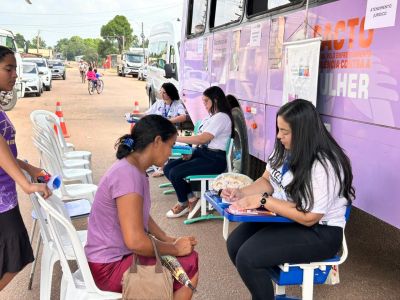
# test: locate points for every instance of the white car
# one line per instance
(142, 73)
(44, 71)
(31, 78)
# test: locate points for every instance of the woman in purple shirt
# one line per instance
(15, 249)
(120, 218)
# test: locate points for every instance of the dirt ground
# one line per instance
(372, 270)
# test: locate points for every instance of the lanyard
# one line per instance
(286, 165)
(166, 112)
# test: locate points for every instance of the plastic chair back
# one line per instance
(61, 228)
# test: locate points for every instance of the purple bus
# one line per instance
(238, 45)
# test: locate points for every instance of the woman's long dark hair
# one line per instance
(4, 51)
(144, 133)
(171, 90)
(219, 103)
(310, 142)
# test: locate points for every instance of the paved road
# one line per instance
(95, 122)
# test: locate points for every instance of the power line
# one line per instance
(90, 13)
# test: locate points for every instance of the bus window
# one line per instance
(8, 42)
(227, 11)
(158, 54)
(257, 7)
(197, 17)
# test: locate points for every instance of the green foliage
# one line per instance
(19, 38)
(42, 43)
(77, 46)
(120, 30)
(105, 48)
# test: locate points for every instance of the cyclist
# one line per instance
(91, 76)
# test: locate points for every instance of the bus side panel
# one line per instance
(270, 132)
(195, 74)
(374, 154)
(220, 58)
(254, 115)
(194, 105)
(247, 62)
(360, 74)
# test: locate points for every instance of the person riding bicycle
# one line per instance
(91, 76)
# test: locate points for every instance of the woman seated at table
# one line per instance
(169, 107)
(308, 179)
(209, 157)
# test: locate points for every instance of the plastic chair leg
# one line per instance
(33, 267)
(308, 283)
(32, 231)
(280, 290)
(225, 229)
(169, 192)
(202, 218)
(164, 185)
(49, 257)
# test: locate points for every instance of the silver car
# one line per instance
(44, 71)
(57, 69)
(142, 73)
(32, 80)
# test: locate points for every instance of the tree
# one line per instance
(42, 43)
(19, 38)
(119, 29)
(105, 48)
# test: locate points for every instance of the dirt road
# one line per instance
(96, 121)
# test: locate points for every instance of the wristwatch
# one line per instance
(264, 199)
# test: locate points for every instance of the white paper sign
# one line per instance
(255, 35)
(300, 76)
(380, 13)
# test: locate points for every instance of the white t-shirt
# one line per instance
(220, 126)
(325, 191)
(167, 111)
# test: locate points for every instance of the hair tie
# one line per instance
(129, 142)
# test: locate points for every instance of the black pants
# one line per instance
(202, 162)
(253, 247)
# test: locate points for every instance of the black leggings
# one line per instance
(254, 247)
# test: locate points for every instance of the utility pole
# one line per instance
(37, 41)
(142, 36)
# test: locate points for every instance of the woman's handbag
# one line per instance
(147, 282)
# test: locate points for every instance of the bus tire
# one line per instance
(9, 100)
(240, 151)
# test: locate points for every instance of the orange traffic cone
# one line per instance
(136, 108)
(60, 115)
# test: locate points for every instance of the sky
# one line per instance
(57, 19)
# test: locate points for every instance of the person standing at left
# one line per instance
(15, 249)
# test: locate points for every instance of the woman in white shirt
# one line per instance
(209, 157)
(308, 179)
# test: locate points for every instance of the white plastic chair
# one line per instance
(43, 134)
(66, 146)
(205, 180)
(75, 209)
(306, 274)
(74, 285)
(50, 253)
(42, 118)
(50, 163)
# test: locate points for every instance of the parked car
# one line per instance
(32, 79)
(57, 69)
(142, 73)
(44, 71)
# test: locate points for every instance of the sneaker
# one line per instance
(177, 211)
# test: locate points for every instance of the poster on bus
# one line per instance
(300, 77)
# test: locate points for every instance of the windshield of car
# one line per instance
(39, 63)
(135, 58)
(56, 63)
(29, 69)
